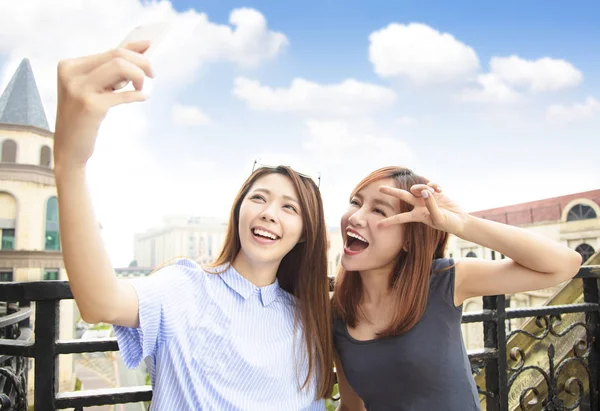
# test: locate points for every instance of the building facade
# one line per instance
(573, 220)
(198, 238)
(30, 246)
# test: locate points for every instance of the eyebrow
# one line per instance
(264, 190)
(377, 201)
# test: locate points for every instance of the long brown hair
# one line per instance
(302, 272)
(409, 279)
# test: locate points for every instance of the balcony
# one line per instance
(557, 369)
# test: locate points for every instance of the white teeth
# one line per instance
(263, 233)
(351, 234)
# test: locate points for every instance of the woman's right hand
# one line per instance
(85, 93)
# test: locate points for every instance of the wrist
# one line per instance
(64, 170)
(462, 229)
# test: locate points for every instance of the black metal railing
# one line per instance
(563, 392)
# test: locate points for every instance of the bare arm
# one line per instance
(349, 400)
(534, 262)
(100, 296)
(85, 95)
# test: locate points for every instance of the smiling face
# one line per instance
(270, 221)
(367, 247)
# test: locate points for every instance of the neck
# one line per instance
(375, 285)
(259, 274)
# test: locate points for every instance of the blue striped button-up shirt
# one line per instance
(218, 342)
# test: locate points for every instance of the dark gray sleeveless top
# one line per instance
(425, 369)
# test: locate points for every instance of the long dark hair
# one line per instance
(409, 280)
(302, 272)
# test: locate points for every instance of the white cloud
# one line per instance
(421, 54)
(44, 32)
(544, 74)
(490, 88)
(194, 40)
(347, 97)
(510, 78)
(344, 142)
(574, 113)
(189, 116)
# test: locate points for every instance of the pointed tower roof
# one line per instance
(20, 103)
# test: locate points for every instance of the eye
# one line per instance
(354, 202)
(257, 197)
(291, 207)
(379, 211)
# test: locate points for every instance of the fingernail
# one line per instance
(425, 193)
(431, 189)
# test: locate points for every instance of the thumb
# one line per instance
(115, 99)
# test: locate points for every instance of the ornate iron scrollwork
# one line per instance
(15, 383)
(572, 386)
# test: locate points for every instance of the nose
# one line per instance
(268, 213)
(357, 219)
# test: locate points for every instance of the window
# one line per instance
(8, 219)
(45, 156)
(50, 274)
(581, 212)
(6, 276)
(585, 250)
(52, 239)
(8, 239)
(471, 254)
(9, 152)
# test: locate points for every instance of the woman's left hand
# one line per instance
(430, 207)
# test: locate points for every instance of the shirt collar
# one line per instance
(245, 288)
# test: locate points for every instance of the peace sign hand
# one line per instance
(430, 207)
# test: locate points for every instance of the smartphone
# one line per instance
(153, 32)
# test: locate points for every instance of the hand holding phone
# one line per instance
(153, 32)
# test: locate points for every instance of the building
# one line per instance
(198, 238)
(573, 220)
(30, 247)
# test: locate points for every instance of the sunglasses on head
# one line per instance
(316, 179)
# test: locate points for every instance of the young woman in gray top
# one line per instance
(398, 302)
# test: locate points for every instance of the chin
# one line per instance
(351, 265)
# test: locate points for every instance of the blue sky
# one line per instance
(497, 101)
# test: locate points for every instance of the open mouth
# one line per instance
(355, 243)
(264, 235)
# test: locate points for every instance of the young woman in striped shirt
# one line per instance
(251, 332)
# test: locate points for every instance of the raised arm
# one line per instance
(534, 262)
(84, 97)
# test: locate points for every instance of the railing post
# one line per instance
(501, 340)
(46, 360)
(591, 295)
(490, 340)
(495, 338)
